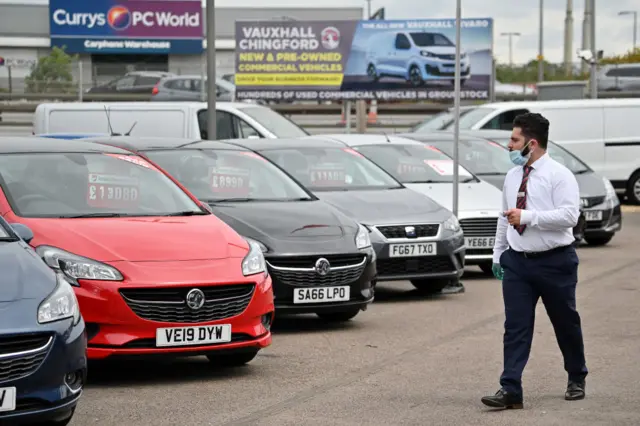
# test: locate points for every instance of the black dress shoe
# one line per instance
(575, 391)
(504, 400)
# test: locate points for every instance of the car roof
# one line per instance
(360, 139)
(34, 144)
(136, 143)
(144, 105)
(277, 144)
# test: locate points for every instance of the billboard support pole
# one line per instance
(212, 92)
(203, 77)
(347, 116)
(80, 79)
(456, 113)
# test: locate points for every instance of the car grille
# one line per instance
(169, 304)
(398, 231)
(300, 271)
(435, 264)
(479, 227)
(21, 355)
(587, 202)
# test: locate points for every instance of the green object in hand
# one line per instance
(498, 272)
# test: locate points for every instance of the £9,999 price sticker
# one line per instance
(112, 190)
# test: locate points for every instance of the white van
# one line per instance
(601, 132)
(164, 119)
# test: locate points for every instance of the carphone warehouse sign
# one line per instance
(127, 26)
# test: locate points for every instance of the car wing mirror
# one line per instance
(23, 231)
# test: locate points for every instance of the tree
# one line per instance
(528, 73)
(631, 57)
(52, 73)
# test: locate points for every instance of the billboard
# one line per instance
(127, 26)
(350, 60)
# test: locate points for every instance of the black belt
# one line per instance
(535, 254)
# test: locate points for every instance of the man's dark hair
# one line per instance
(533, 126)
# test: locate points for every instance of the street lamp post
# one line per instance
(212, 91)
(456, 108)
(510, 35)
(541, 44)
(635, 24)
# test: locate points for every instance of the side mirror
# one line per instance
(23, 232)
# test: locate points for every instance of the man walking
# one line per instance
(535, 258)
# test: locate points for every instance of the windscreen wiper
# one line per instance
(80, 216)
(231, 200)
(186, 213)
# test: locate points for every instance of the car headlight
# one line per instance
(59, 305)
(254, 263)
(76, 267)
(427, 54)
(362, 237)
(611, 199)
(451, 224)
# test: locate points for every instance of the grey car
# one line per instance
(414, 237)
(188, 87)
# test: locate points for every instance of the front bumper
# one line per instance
(435, 69)
(447, 263)
(355, 270)
(610, 223)
(52, 378)
(122, 317)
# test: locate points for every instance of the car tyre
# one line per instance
(633, 188)
(342, 316)
(233, 360)
(415, 76)
(598, 241)
(487, 268)
(372, 73)
(430, 286)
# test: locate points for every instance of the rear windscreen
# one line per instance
(154, 123)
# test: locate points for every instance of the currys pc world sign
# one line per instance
(127, 26)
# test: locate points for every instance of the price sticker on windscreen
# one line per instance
(445, 167)
(112, 191)
(328, 175)
(409, 168)
(230, 181)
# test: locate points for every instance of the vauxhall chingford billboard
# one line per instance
(127, 26)
(347, 60)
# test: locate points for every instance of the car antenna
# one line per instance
(106, 111)
(129, 132)
(386, 136)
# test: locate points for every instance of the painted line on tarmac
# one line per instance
(630, 209)
(364, 372)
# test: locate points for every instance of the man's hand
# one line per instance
(513, 216)
(498, 272)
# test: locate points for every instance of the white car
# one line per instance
(234, 120)
(427, 170)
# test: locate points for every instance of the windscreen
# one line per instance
(437, 122)
(215, 175)
(471, 117)
(479, 156)
(276, 123)
(430, 39)
(415, 163)
(331, 169)
(89, 184)
(559, 154)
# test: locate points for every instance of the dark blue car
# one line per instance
(43, 363)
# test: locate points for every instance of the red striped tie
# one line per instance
(521, 202)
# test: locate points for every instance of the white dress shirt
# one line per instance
(552, 209)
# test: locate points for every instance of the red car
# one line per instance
(154, 271)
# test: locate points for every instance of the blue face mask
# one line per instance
(517, 158)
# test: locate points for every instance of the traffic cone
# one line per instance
(372, 117)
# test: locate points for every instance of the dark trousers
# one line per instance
(552, 277)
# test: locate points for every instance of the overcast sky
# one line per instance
(614, 33)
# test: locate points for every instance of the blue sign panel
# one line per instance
(127, 26)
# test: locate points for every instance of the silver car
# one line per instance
(426, 169)
(619, 77)
(188, 87)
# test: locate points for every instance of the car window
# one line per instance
(414, 163)
(331, 169)
(503, 121)
(143, 80)
(402, 42)
(437, 122)
(71, 184)
(225, 125)
(276, 123)
(245, 130)
(430, 39)
(470, 118)
(559, 154)
(479, 156)
(125, 82)
(221, 174)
